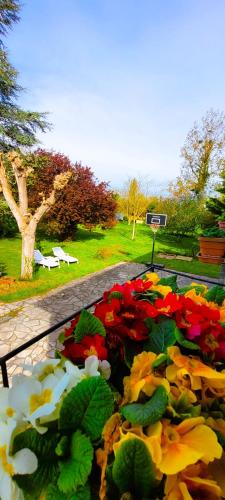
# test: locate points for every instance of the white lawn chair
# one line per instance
(59, 252)
(45, 261)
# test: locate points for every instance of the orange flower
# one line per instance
(142, 378)
(191, 484)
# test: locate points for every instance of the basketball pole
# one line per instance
(153, 247)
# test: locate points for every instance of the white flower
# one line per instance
(6, 411)
(23, 462)
(91, 367)
(43, 368)
(35, 399)
(75, 374)
(105, 369)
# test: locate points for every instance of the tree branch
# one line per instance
(60, 182)
(8, 195)
(21, 180)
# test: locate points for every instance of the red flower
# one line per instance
(107, 312)
(170, 304)
(89, 345)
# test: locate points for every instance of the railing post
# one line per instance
(5, 379)
(222, 272)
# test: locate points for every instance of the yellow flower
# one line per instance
(203, 287)
(222, 313)
(142, 378)
(216, 425)
(194, 480)
(153, 277)
(163, 289)
(186, 443)
(152, 440)
(174, 447)
(110, 434)
(191, 372)
(180, 392)
(201, 300)
(216, 469)
(197, 298)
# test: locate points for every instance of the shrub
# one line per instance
(8, 226)
(184, 215)
(214, 232)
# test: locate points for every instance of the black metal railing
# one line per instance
(149, 268)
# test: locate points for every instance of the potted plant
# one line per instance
(212, 246)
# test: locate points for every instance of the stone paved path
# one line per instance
(21, 321)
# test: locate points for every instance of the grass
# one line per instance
(95, 250)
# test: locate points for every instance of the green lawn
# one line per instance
(96, 250)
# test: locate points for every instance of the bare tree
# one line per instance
(18, 204)
(203, 151)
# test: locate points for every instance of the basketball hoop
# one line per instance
(154, 227)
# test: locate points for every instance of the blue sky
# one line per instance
(123, 80)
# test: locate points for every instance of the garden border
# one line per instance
(34, 340)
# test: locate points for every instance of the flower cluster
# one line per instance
(138, 389)
(165, 346)
(30, 426)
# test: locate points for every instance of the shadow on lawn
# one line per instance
(84, 235)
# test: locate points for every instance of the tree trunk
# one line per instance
(134, 227)
(28, 242)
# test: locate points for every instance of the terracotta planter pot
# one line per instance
(212, 246)
(221, 224)
(208, 259)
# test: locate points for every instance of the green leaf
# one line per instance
(115, 295)
(215, 294)
(147, 413)
(82, 493)
(151, 296)
(44, 448)
(61, 337)
(197, 288)
(74, 472)
(62, 447)
(149, 323)
(133, 469)
(185, 343)
(170, 281)
(161, 337)
(88, 324)
(87, 406)
(162, 359)
(221, 438)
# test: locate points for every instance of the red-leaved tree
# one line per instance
(83, 200)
